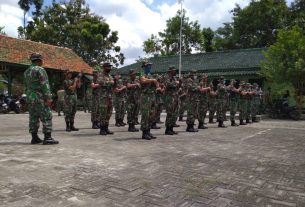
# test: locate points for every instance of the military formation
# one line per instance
(142, 94)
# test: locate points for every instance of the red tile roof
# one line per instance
(17, 51)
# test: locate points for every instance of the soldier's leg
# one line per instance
(191, 113)
(73, 112)
(108, 115)
(68, 112)
(212, 108)
(145, 113)
(103, 115)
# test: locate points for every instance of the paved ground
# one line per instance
(257, 165)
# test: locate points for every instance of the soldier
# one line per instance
(70, 87)
(243, 103)
(255, 102)
(138, 101)
(60, 101)
(221, 102)
(182, 98)
(159, 99)
(203, 101)
(95, 102)
(249, 103)
(119, 100)
(38, 100)
(212, 104)
(132, 91)
(148, 88)
(171, 100)
(192, 98)
(234, 99)
(106, 85)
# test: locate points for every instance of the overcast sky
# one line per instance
(136, 20)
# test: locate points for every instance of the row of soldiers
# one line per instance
(150, 94)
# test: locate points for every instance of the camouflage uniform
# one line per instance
(203, 98)
(105, 100)
(243, 104)
(192, 103)
(249, 103)
(182, 100)
(221, 103)
(255, 102)
(94, 105)
(60, 101)
(138, 101)
(37, 91)
(171, 102)
(159, 104)
(119, 103)
(70, 102)
(234, 100)
(132, 102)
(212, 105)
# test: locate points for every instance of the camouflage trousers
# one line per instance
(212, 109)
(243, 109)
(233, 108)
(159, 108)
(147, 110)
(192, 106)
(221, 109)
(255, 107)
(202, 110)
(94, 108)
(38, 111)
(105, 110)
(119, 106)
(249, 108)
(182, 106)
(132, 115)
(171, 106)
(60, 106)
(70, 107)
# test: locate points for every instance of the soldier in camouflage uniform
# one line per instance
(106, 85)
(249, 103)
(95, 102)
(148, 88)
(243, 103)
(212, 104)
(182, 98)
(60, 101)
(132, 98)
(159, 99)
(234, 99)
(138, 101)
(192, 101)
(38, 100)
(203, 97)
(221, 102)
(70, 87)
(171, 100)
(119, 100)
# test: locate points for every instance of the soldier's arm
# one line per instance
(132, 85)
(144, 80)
(44, 81)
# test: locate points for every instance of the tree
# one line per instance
(208, 36)
(74, 26)
(2, 32)
(297, 13)
(167, 42)
(285, 62)
(254, 26)
(25, 5)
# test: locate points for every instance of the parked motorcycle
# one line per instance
(12, 103)
(3, 106)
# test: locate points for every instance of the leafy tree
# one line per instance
(297, 13)
(74, 26)
(285, 62)
(167, 42)
(25, 5)
(254, 26)
(208, 36)
(2, 32)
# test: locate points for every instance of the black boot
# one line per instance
(151, 135)
(254, 120)
(154, 126)
(221, 125)
(48, 139)
(68, 128)
(132, 128)
(117, 123)
(102, 130)
(233, 123)
(172, 129)
(241, 122)
(122, 122)
(72, 126)
(211, 121)
(95, 125)
(145, 135)
(201, 126)
(107, 129)
(168, 131)
(35, 139)
(190, 128)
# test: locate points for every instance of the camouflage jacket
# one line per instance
(106, 85)
(37, 86)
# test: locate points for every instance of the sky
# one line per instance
(136, 20)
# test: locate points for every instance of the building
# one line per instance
(243, 64)
(14, 60)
